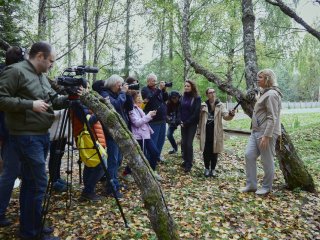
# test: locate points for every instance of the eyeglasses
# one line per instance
(211, 92)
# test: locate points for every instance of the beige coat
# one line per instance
(219, 113)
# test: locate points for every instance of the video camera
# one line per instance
(71, 79)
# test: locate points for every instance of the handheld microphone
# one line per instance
(237, 105)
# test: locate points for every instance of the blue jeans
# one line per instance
(159, 135)
(114, 160)
(147, 145)
(11, 170)
(170, 137)
(32, 151)
(91, 176)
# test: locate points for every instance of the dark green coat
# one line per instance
(20, 85)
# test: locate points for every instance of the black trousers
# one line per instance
(209, 158)
(187, 136)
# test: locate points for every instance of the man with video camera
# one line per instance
(25, 97)
(155, 99)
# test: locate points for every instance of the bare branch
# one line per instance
(288, 11)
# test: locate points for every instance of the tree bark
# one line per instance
(152, 195)
(291, 165)
(42, 19)
(250, 56)
(85, 31)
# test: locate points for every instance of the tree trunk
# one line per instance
(85, 31)
(152, 195)
(42, 19)
(250, 56)
(294, 171)
(127, 49)
(69, 32)
(96, 43)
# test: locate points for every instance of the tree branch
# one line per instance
(288, 11)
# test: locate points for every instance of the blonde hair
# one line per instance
(269, 77)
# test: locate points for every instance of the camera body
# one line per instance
(72, 84)
(168, 84)
(71, 78)
(134, 86)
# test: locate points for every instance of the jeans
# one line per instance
(187, 136)
(159, 135)
(56, 153)
(153, 153)
(91, 176)
(170, 137)
(114, 160)
(11, 170)
(32, 151)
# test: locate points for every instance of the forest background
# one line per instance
(109, 34)
(117, 36)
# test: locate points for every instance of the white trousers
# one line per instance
(253, 151)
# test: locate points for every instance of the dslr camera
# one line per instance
(168, 84)
(72, 78)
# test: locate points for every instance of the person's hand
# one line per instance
(124, 87)
(264, 142)
(40, 106)
(162, 85)
(152, 113)
(81, 90)
(232, 113)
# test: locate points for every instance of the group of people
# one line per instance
(28, 110)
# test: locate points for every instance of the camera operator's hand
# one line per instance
(39, 106)
(152, 113)
(125, 87)
(82, 90)
(162, 85)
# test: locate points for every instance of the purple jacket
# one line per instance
(139, 124)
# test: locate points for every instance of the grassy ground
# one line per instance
(203, 208)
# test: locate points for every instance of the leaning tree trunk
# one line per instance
(152, 195)
(294, 171)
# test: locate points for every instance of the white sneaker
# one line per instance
(157, 176)
(17, 183)
(262, 191)
(206, 172)
(213, 173)
(247, 189)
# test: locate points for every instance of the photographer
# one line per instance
(154, 98)
(25, 97)
(10, 161)
(116, 91)
(173, 118)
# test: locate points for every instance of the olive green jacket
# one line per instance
(20, 85)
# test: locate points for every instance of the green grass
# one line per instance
(304, 130)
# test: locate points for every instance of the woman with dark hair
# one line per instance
(211, 130)
(189, 112)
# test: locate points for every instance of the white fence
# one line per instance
(287, 105)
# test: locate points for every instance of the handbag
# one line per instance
(87, 150)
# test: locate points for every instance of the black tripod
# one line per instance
(66, 123)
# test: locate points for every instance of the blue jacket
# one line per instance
(122, 102)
